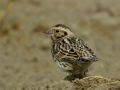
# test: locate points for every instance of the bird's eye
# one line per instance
(57, 31)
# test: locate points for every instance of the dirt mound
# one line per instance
(88, 83)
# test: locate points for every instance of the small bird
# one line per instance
(70, 53)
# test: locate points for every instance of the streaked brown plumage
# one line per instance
(71, 54)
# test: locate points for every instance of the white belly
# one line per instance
(64, 66)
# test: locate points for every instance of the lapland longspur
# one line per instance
(70, 53)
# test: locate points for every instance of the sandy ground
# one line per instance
(25, 57)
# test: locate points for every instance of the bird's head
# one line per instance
(59, 31)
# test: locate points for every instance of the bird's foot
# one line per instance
(73, 77)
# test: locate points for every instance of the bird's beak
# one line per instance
(48, 32)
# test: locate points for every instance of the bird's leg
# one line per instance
(71, 76)
(68, 75)
(85, 73)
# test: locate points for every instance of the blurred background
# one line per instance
(25, 56)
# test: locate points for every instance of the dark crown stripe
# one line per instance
(62, 25)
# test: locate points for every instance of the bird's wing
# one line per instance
(75, 50)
